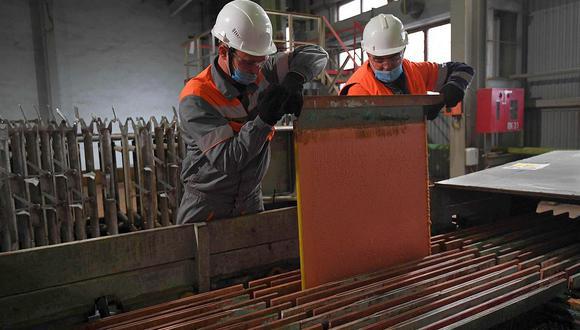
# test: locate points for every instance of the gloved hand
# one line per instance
(293, 82)
(432, 111)
(270, 104)
(451, 95)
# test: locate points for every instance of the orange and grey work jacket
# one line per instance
(228, 152)
(418, 78)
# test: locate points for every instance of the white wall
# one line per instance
(125, 54)
(17, 74)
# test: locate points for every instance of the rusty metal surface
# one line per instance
(67, 181)
(471, 286)
(362, 179)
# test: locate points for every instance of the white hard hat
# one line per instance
(245, 26)
(384, 35)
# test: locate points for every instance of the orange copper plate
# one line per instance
(363, 193)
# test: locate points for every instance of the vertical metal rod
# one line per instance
(149, 186)
(19, 188)
(181, 153)
(90, 175)
(37, 213)
(173, 169)
(127, 176)
(63, 210)
(8, 228)
(48, 186)
(138, 166)
(161, 172)
(75, 184)
(109, 181)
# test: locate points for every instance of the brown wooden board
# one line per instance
(39, 268)
(362, 185)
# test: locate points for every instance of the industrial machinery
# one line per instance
(492, 258)
(475, 278)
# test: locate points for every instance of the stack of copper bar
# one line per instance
(477, 277)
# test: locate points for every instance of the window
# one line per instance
(416, 48)
(350, 65)
(348, 9)
(436, 47)
(370, 4)
(439, 44)
(356, 7)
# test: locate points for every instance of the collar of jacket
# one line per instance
(365, 76)
(226, 86)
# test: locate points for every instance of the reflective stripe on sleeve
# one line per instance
(215, 137)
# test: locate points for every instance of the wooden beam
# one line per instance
(74, 300)
(39, 268)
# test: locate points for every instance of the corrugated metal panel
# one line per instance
(560, 128)
(438, 130)
(554, 31)
(553, 44)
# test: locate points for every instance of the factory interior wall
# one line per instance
(103, 54)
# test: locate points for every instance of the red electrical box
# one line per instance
(500, 110)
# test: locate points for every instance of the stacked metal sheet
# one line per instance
(475, 278)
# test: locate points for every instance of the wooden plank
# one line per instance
(253, 230)
(202, 243)
(232, 262)
(49, 266)
(78, 298)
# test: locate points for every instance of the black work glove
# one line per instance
(432, 111)
(293, 82)
(451, 95)
(270, 104)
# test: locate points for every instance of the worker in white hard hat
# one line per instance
(228, 112)
(387, 72)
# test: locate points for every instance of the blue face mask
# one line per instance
(244, 78)
(389, 76)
